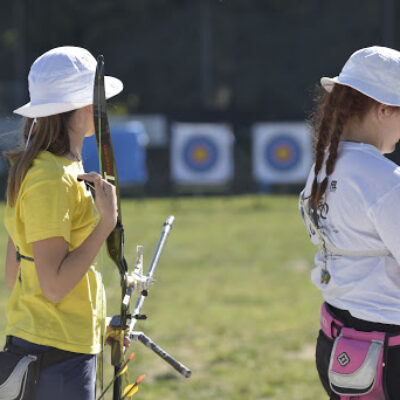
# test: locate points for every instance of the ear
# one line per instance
(381, 111)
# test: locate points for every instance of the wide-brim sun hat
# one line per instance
(373, 71)
(62, 80)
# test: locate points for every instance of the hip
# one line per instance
(64, 375)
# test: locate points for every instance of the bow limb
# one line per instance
(115, 241)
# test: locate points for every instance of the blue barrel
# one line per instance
(129, 141)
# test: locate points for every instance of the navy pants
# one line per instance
(72, 379)
(391, 372)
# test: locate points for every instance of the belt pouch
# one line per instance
(355, 367)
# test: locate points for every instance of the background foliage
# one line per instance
(198, 58)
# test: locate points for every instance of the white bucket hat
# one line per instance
(373, 71)
(62, 80)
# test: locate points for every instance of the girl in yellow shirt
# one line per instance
(55, 232)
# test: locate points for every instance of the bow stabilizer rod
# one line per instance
(140, 336)
(181, 368)
(150, 272)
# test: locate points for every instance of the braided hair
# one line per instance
(333, 111)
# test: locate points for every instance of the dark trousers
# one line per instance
(72, 379)
(391, 373)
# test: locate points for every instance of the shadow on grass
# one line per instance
(166, 376)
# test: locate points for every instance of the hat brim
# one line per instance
(112, 85)
(327, 83)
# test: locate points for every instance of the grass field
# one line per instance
(233, 298)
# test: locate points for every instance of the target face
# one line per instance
(283, 153)
(200, 154)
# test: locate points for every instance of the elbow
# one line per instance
(52, 294)
(53, 297)
(51, 286)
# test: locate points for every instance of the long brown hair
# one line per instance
(334, 109)
(49, 133)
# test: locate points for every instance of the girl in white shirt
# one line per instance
(351, 207)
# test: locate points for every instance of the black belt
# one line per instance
(360, 324)
(46, 358)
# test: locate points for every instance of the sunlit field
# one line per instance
(232, 299)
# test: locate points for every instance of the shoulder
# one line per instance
(54, 175)
(366, 173)
(364, 162)
(48, 167)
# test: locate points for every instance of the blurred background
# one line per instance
(216, 91)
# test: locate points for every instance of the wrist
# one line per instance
(106, 226)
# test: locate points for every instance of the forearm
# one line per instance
(11, 265)
(75, 265)
(60, 270)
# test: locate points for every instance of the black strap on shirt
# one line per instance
(20, 256)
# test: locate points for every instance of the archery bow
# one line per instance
(115, 247)
(115, 241)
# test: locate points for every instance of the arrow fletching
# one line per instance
(129, 391)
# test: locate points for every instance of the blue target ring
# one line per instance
(200, 154)
(283, 153)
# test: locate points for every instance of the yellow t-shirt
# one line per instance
(51, 202)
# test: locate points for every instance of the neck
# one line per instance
(80, 125)
(363, 131)
(71, 155)
(75, 148)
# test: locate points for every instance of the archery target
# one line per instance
(282, 152)
(201, 154)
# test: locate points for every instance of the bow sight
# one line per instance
(137, 282)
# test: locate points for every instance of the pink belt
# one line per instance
(332, 328)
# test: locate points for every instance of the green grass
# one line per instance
(233, 299)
